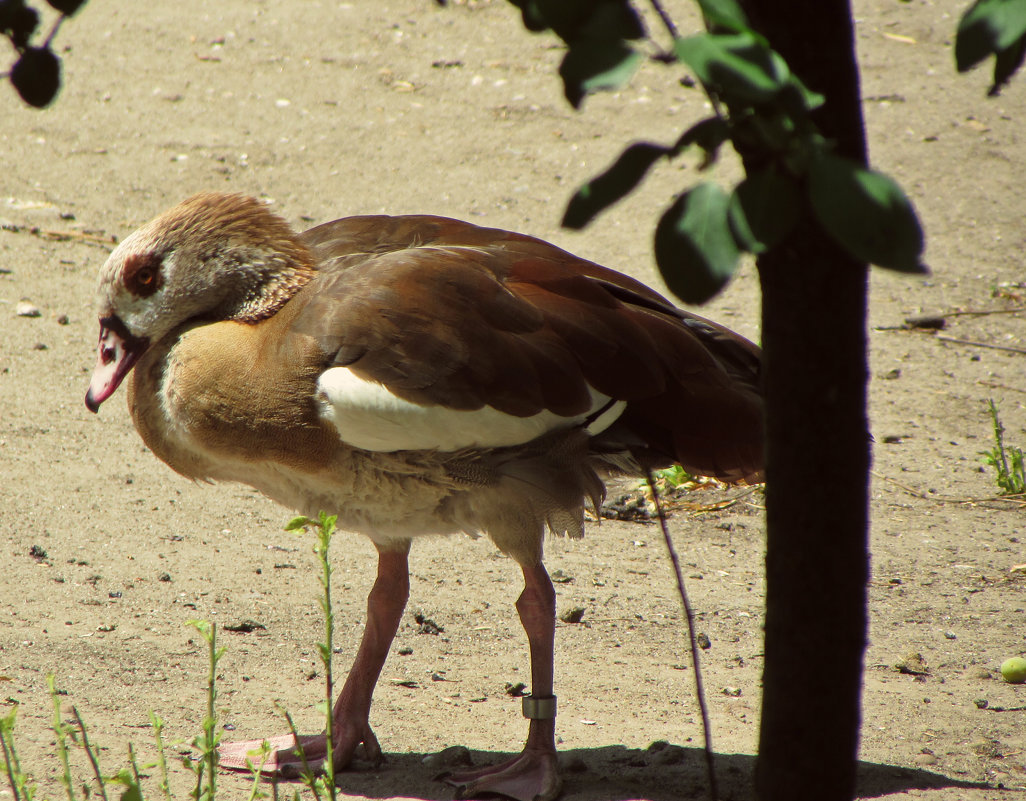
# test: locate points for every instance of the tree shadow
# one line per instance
(663, 772)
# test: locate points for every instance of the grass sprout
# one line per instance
(1008, 462)
(21, 788)
(207, 742)
(324, 528)
(129, 779)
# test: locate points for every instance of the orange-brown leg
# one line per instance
(351, 726)
(533, 774)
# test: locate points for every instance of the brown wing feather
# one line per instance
(444, 312)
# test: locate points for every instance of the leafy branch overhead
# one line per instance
(993, 28)
(765, 111)
(36, 74)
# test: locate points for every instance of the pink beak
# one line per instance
(117, 353)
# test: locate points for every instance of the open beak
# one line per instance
(117, 353)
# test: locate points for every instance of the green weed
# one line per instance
(21, 787)
(129, 779)
(1008, 462)
(324, 528)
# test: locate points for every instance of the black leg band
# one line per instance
(539, 708)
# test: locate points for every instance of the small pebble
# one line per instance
(671, 755)
(26, 309)
(245, 626)
(912, 664)
(427, 626)
(984, 747)
(449, 757)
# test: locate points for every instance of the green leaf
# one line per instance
(866, 212)
(133, 793)
(797, 96)
(1006, 64)
(203, 627)
(297, 523)
(724, 14)
(989, 27)
(694, 247)
(613, 184)
(534, 19)
(573, 20)
(592, 66)
(326, 523)
(738, 67)
(764, 209)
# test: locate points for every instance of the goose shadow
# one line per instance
(662, 772)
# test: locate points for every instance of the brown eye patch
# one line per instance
(143, 274)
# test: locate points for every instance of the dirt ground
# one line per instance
(331, 109)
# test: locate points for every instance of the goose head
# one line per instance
(212, 257)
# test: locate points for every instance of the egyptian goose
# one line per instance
(415, 375)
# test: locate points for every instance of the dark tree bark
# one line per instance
(818, 450)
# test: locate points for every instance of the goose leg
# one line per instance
(351, 726)
(533, 774)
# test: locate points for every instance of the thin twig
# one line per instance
(714, 791)
(103, 240)
(135, 770)
(53, 31)
(910, 323)
(670, 27)
(89, 752)
(984, 312)
(60, 729)
(981, 344)
(9, 758)
(996, 385)
(158, 725)
(308, 775)
(1018, 500)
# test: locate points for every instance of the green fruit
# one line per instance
(1014, 670)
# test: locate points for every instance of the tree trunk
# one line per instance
(818, 450)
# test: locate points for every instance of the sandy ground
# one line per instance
(333, 108)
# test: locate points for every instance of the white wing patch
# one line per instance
(370, 417)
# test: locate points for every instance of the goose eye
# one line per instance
(143, 274)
